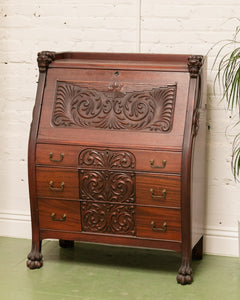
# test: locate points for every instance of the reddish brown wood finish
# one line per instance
(57, 183)
(171, 217)
(62, 155)
(111, 152)
(59, 215)
(158, 190)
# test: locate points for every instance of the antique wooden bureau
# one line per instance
(117, 152)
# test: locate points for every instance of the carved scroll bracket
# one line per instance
(195, 63)
(44, 59)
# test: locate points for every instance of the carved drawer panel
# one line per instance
(105, 185)
(157, 190)
(59, 214)
(158, 223)
(108, 218)
(158, 161)
(113, 159)
(57, 183)
(57, 155)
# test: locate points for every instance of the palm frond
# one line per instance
(228, 77)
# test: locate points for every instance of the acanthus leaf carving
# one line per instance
(109, 186)
(149, 110)
(103, 158)
(108, 218)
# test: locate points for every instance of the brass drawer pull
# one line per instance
(164, 162)
(163, 228)
(56, 160)
(53, 215)
(56, 189)
(164, 192)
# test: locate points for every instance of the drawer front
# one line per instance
(158, 161)
(156, 190)
(63, 155)
(57, 183)
(158, 223)
(57, 155)
(109, 218)
(59, 215)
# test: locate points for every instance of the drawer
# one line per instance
(158, 223)
(157, 190)
(57, 155)
(57, 183)
(59, 214)
(158, 161)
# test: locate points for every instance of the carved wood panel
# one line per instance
(107, 159)
(82, 107)
(107, 190)
(108, 218)
(107, 186)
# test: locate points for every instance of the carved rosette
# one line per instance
(44, 59)
(108, 218)
(149, 110)
(195, 63)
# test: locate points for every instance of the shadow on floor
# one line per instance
(123, 257)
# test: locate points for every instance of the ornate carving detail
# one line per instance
(107, 186)
(44, 59)
(185, 273)
(100, 158)
(77, 106)
(108, 218)
(196, 116)
(195, 63)
(35, 260)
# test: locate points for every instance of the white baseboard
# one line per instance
(217, 241)
(221, 241)
(15, 225)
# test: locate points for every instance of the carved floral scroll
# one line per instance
(82, 107)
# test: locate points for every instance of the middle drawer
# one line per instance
(57, 183)
(158, 190)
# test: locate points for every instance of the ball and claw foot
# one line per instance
(35, 260)
(184, 275)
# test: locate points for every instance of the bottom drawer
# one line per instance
(59, 214)
(158, 223)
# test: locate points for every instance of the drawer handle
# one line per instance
(53, 215)
(163, 228)
(164, 162)
(56, 189)
(56, 160)
(164, 192)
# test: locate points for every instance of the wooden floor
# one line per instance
(97, 272)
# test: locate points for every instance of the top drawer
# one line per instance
(59, 155)
(83, 157)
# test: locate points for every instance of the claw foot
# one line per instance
(35, 260)
(184, 275)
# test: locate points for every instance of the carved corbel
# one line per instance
(44, 59)
(195, 63)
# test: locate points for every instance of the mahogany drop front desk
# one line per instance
(117, 152)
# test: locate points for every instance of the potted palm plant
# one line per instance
(227, 62)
